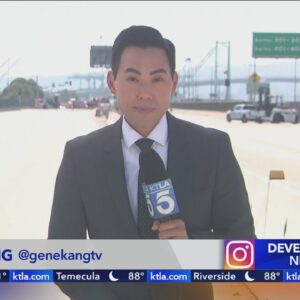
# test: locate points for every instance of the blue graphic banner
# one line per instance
(169, 276)
(291, 275)
(277, 254)
(30, 276)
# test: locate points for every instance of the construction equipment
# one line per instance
(274, 112)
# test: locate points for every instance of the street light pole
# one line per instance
(251, 86)
(188, 77)
(228, 94)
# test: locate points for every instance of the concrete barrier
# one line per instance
(220, 105)
(275, 207)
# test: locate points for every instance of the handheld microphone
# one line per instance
(157, 187)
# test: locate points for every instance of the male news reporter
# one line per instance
(97, 183)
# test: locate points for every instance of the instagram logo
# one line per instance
(239, 255)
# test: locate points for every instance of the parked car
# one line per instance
(243, 112)
(103, 108)
(92, 103)
(47, 103)
(75, 103)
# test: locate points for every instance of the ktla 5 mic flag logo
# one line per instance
(239, 254)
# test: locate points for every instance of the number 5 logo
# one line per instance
(150, 207)
(163, 197)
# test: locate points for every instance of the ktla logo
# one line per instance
(161, 199)
(239, 255)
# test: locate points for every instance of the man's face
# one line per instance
(143, 86)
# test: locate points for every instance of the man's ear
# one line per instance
(111, 82)
(175, 82)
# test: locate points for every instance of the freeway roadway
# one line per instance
(32, 143)
(259, 149)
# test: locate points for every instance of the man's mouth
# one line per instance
(144, 109)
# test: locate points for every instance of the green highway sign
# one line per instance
(276, 45)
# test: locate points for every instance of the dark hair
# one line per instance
(141, 36)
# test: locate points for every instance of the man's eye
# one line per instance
(158, 79)
(132, 79)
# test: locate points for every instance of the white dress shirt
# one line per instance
(131, 154)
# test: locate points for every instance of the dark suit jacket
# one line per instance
(91, 195)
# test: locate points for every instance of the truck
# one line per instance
(275, 112)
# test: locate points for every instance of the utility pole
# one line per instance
(216, 72)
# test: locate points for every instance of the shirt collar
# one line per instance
(159, 133)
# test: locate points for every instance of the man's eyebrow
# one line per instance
(132, 70)
(157, 71)
(161, 70)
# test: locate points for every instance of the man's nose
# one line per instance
(145, 91)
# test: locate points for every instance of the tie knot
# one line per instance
(144, 143)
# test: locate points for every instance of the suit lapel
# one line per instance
(178, 159)
(114, 169)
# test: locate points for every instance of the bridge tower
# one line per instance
(227, 71)
(220, 62)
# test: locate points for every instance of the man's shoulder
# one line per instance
(100, 137)
(193, 130)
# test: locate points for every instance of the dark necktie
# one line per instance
(144, 221)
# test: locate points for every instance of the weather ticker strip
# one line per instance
(149, 276)
(166, 261)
